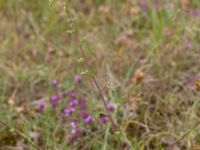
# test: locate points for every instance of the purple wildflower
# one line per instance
(55, 84)
(69, 112)
(42, 106)
(76, 132)
(78, 79)
(73, 94)
(104, 119)
(54, 101)
(73, 103)
(89, 119)
(111, 107)
(74, 123)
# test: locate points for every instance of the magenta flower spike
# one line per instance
(69, 112)
(104, 119)
(111, 107)
(54, 101)
(73, 103)
(76, 132)
(73, 124)
(77, 79)
(55, 84)
(42, 106)
(88, 119)
(74, 94)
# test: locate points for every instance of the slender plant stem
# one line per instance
(115, 126)
(104, 102)
(114, 123)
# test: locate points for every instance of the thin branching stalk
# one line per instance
(115, 126)
(114, 123)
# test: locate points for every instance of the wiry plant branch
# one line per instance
(114, 123)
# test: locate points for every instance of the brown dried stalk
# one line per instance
(114, 123)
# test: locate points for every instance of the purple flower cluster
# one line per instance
(88, 119)
(73, 103)
(55, 98)
(111, 107)
(104, 119)
(55, 84)
(77, 109)
(74, 110)
(42, 106)
(54, 101)
(78, 79)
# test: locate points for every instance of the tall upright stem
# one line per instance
(114, 123)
